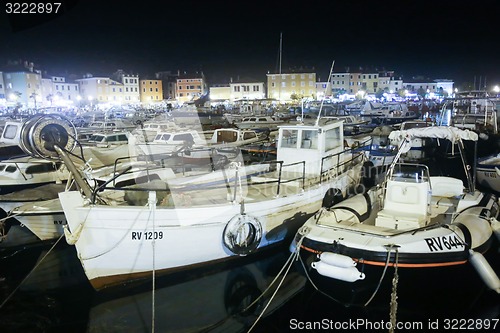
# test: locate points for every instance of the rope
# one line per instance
(288, 264)
(152, 207)
(27, 276)
(119, 241)
(383, 274)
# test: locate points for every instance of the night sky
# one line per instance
(224, 39)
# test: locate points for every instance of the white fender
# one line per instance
(484, 269)
(349, 274)
(335, 259)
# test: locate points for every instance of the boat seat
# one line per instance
(446, 187)
(406, 205)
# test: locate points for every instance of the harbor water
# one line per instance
(44, 289)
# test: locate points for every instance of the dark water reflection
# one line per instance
(56, 297)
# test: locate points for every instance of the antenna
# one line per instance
(326, 88)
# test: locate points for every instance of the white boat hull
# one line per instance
(117, 243)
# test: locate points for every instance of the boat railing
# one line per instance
(338, 163)
(251, 179)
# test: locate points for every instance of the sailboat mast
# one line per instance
(281, 49)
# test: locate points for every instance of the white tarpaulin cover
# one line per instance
(438, 132)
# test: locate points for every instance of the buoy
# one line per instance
(335, 259)
(484, 269)
(348, 274)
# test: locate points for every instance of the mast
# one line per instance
(280, 56)
(326, 88)
(281, 49)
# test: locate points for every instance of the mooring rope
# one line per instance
(27, 276)
(383, 274)
(288, 264)
(152, 207)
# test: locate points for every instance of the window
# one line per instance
(10, 131)
(332, 138)
(309, 139)
(42, 168)
(289, 139)
(187, 137)
(255, 88)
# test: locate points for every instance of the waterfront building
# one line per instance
(151, 90)
(191, 87)
(286, 87)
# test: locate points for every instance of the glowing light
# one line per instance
(496, 89)
(12, 97)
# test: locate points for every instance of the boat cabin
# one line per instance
(233, 135)
(108, 139)
(310, 143)
(179, 138)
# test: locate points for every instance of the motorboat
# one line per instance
(410, 221)
(267, 122)
(488, 172)
(389, 113)
(192, 147)
(24, 172)
(201, 219)
(35, 215)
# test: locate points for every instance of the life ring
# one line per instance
(242, 234)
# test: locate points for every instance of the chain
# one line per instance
(394, 296)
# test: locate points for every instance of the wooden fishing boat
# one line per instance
(232, 212)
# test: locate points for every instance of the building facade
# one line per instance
(57, 92)
(151, 91)
(23, 88)
(130, 82)
(286, 87)
(246, 89)
(190, 87)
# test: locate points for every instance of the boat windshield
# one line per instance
(412, 173)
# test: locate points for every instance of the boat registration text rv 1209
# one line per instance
(147, 235)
